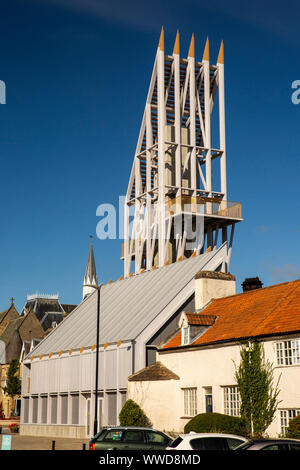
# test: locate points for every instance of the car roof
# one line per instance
(134, 428)
(282, 439)
(192, 435)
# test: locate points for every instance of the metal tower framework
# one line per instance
(171, 181)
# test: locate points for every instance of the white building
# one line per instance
(197, 364)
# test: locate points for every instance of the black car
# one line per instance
(270, 444)
(129, 438)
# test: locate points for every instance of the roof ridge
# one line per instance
(254, 290)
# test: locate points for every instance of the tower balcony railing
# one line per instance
(207, 206)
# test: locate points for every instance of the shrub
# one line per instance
(216, 422)
(293, 429)
(132, 415)
(14, 427)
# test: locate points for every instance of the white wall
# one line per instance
(214, 367)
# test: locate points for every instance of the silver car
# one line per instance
(270, 444)
(206, 441)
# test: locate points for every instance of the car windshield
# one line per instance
(176, 442)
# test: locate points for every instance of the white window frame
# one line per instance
(285, 415)
(185, 334)
(231, 400)
(189, 401)
(287, 352)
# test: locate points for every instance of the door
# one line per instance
(90, 416)
(208, 404)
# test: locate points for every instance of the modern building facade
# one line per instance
(58, 384)
(182, 224)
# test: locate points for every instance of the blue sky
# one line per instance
(77, 75)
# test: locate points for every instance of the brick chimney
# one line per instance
(212, 285)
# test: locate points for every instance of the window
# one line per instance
(26, 409)
(285, 416)
(75, 409)
(288, 352)
(54, 409)
(113, 435)
(294, 446)
(276, 447)
(44, 409)
(231, 401)
(209, 443)
(35, 409)
(134, 436)
(156, 438)
(64, 409)
(190, 401)
(185, 335)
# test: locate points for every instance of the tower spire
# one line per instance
(161, 43)
(221, 54)
(90, 277)
(206, 51)
(176, 44)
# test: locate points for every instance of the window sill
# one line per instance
(187, 417)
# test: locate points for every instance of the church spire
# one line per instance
(90, 277)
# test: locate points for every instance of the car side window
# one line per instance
(276, 447)
(295, 446)
(133, 436)
(156, 438)
(209, 443)
(113, 435)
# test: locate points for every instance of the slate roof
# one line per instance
(128, 306)
(262, 312)
(156, 371)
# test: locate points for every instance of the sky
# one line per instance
(77, 74)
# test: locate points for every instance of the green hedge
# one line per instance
(293, 429)
(216, 422)
(132, 415)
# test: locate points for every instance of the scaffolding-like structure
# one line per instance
(173, 208)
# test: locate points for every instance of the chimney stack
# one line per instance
(212, 285)
(251, 283)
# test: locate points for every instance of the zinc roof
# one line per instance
(128, 306)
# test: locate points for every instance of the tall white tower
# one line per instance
(90, 277)
(177, 192)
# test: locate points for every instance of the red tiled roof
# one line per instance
(200, 319)
(261, 312)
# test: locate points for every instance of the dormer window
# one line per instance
(185, 334)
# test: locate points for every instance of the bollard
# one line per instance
(53, 445)
(83, 446)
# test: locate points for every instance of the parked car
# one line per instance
(206, 441)
(270, 444)
(131, 437)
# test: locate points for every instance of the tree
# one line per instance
(259, 396)
(13, 384)
(132, 415)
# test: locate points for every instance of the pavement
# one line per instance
(21, 442)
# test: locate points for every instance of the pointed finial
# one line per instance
(12, 300)
(192, 47)
(176, 45)
(206, 51)
(161, 43)
(221, 54)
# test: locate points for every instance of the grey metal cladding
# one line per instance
(128, 306)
